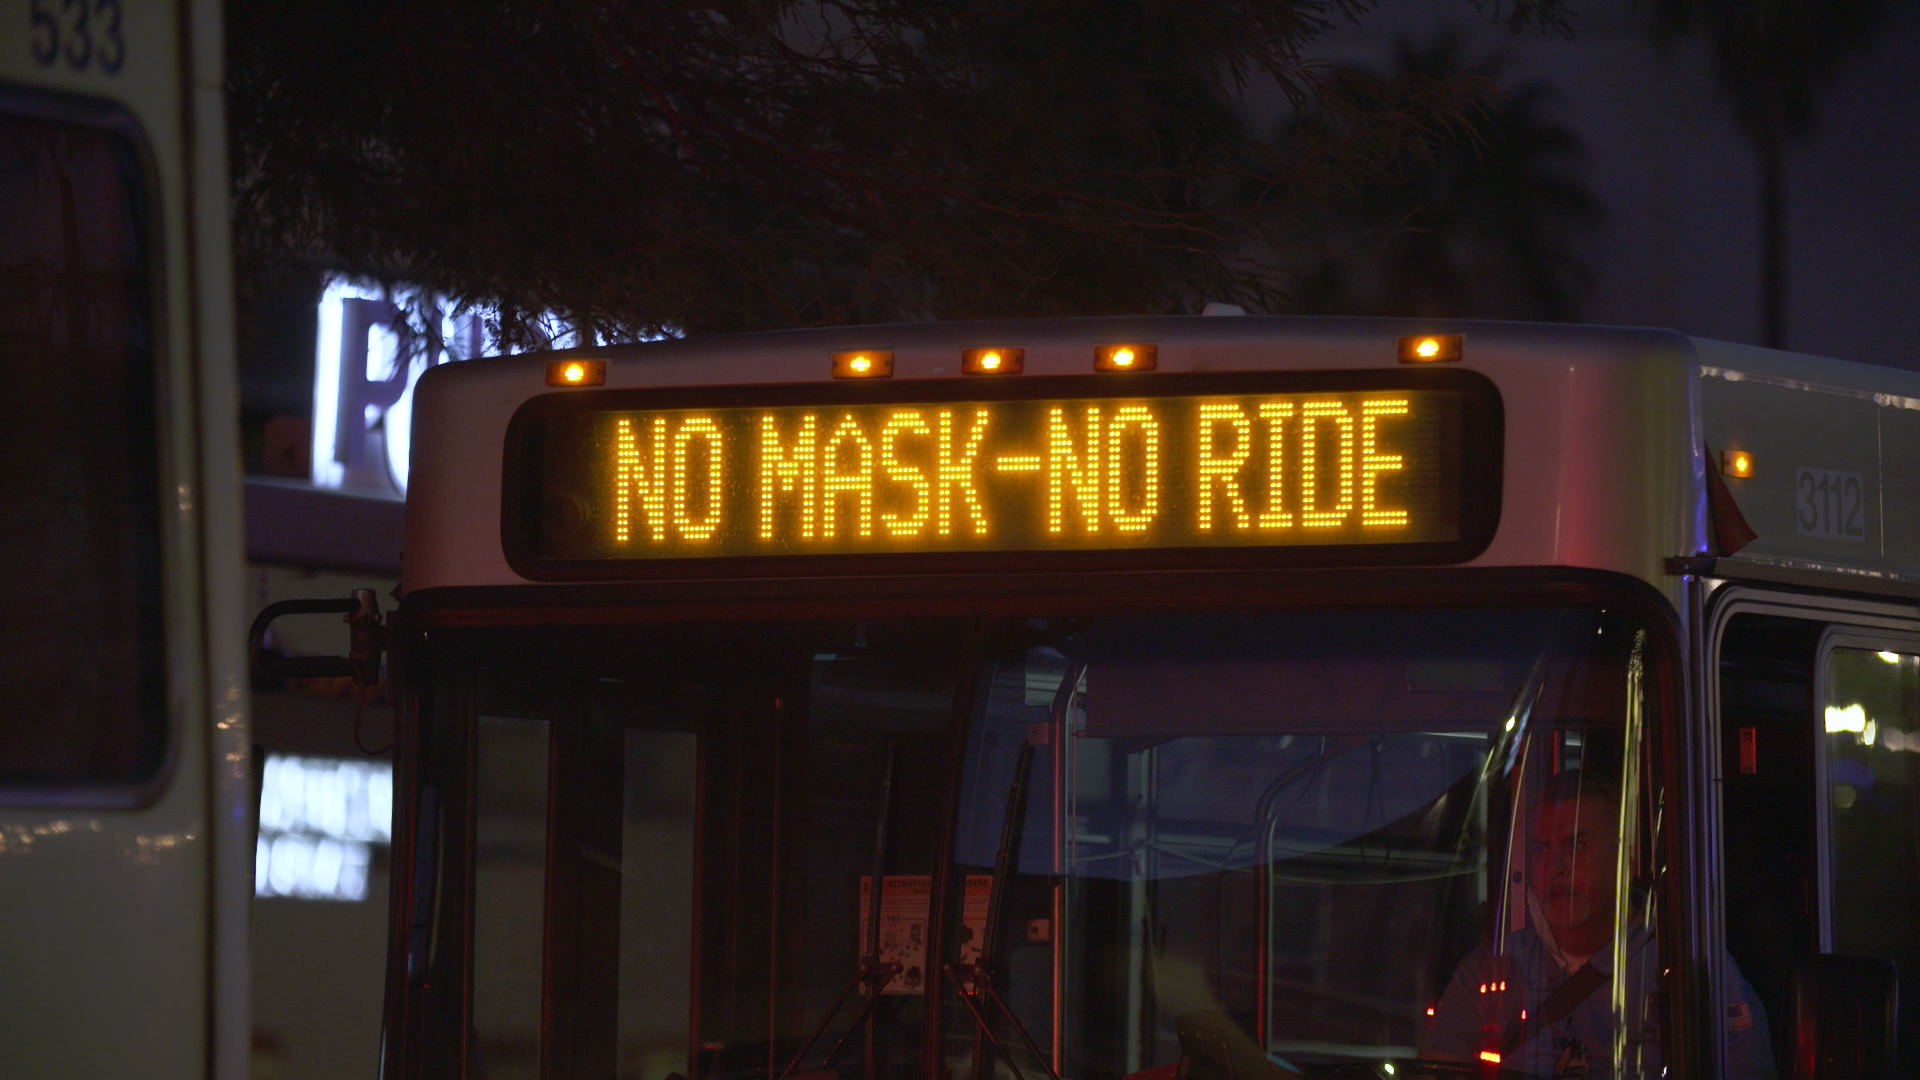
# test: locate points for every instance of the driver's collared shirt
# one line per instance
(1481, 1013)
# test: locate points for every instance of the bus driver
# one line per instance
(1545, 1006)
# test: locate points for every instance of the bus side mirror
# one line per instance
(364, 641)
(1844, 1017)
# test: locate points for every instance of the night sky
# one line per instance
(1680, 244)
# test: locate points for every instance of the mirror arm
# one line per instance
(365, 641)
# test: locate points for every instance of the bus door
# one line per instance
(1818, 700)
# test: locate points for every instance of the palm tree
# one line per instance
(1486, 224)
(1773, 58)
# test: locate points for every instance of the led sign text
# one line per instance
(1378, 467)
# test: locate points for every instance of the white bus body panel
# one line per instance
(125, 950)
(1812, 426)
(1602, 468)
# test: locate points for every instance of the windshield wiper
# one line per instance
(871, 972)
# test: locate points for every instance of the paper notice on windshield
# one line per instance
(905, 900)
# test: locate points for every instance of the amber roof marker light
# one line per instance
(993, 361)
(576, 372)
(1432, 348)
(863, 364)
(1125, 357)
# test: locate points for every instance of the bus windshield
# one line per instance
(1226, 844)
(1276, 844)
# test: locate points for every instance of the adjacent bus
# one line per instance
(1241, 698)
(125, 835)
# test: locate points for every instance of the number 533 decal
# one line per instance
(1830, 504)
(82, 33)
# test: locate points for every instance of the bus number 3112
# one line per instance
(1830, 504)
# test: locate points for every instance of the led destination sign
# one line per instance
(592, 481)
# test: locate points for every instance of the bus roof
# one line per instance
(1607, 431)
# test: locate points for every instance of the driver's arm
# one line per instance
(1749, 1044)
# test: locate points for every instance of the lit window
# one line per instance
(320, 819)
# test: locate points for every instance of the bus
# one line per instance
(1224, 698)
(125, 801)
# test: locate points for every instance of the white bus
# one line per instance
(1220, 698)
(125, 833)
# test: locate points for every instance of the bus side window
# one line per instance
(1767, 793)
(1871, 721)
(82, 656)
